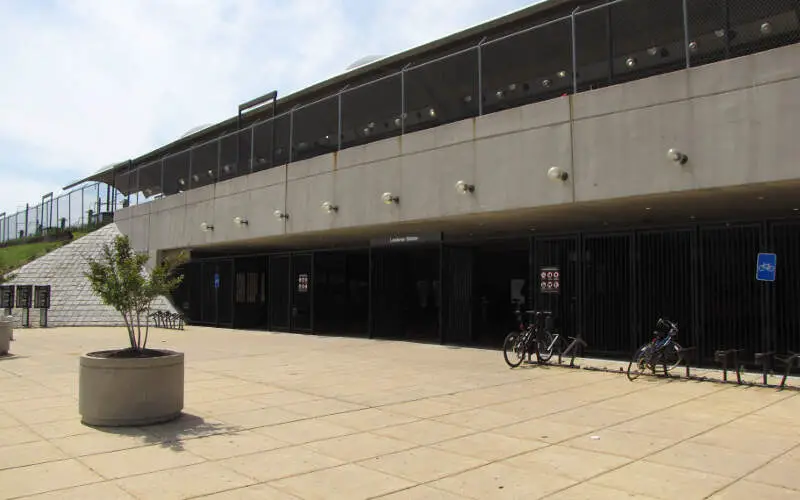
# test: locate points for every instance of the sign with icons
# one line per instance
(550, 279)
(766, 265)
(302, 283)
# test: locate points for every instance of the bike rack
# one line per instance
(789, 361)
(767, 361)
(724, 357)
(686, 354)
(577, 341)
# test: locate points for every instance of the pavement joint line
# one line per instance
(548, 445)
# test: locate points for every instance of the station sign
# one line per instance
(6, 297)
(41, 297)
(24, 296)
(407, 239)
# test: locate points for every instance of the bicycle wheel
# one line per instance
(671, 356)
(546, 346)
(639, 362)
(514, 349)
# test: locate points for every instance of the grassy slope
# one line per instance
(18, 255)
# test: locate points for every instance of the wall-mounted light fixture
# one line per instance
(463, 187)
(390, 199)
(206, 227)
(329, 207)
(557, 174)
(211, 173)
(228, 168)
(630, 62)
(693, 46)
(279, 214)
(196, 178)
(562, 74)
(676, 156)
(432, 113)
(766, 28)
(240, 221)
(182, 181)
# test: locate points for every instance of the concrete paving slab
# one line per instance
(367, 419)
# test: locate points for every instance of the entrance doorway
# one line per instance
(250, 297)
(405, 295)
(500, 286)
(341, 292)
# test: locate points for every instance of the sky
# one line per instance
(86, 83)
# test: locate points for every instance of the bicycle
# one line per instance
(661, 350)
(536, 337)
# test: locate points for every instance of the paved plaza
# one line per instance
(282, 416)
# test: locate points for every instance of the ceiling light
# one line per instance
(630, 62)
(647, 208)
(499, 94)
(329, 207)
(546, 82)
(468, 98)
(557, 174)
(653, 51)
(397, 122)
(240, 221)
(206, 227)
(692, 217)
(390, 199)
(280, 214)
(719, 33)
(196, 178)
(766, 28)
(261, 161)
(182, 182)
(562, 74)
(464, 188)
(796, 209)
(432, 112)
(366, 130)
(676, 156)
(693, 46)
(512, 87)
(227, 168)
(210, 173)
(760, 197)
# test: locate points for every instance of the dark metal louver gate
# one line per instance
(457, 295)
(208, 294)
(785, 296)
(302, 292)
(279, 292)
(731, 301)
(608, 287)
(665, 273)
(384, 296)
(224, 292)
(563, 253)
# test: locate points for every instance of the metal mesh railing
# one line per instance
(600, 44)
(84, 208)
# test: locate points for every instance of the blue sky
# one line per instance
(89, 82)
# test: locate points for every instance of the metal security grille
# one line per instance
(385, 295)
(302, 292)
(563, 253)
(457, 282)
(731, 305)
(665, 283)
(279, 292)
(785, 300)
(608, 288)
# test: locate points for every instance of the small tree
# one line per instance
(120, 280)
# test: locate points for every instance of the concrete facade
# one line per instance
(736, 120)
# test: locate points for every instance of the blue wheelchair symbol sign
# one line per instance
(216, 280)
(765, 266)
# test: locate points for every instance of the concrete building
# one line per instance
(646, 150)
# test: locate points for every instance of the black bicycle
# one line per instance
(535, 337)
(661, 350)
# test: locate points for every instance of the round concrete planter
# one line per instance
(130, 391)
(6, 334)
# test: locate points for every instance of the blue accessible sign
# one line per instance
(216, 280)
(765, 266)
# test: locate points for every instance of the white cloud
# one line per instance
(89, 82)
